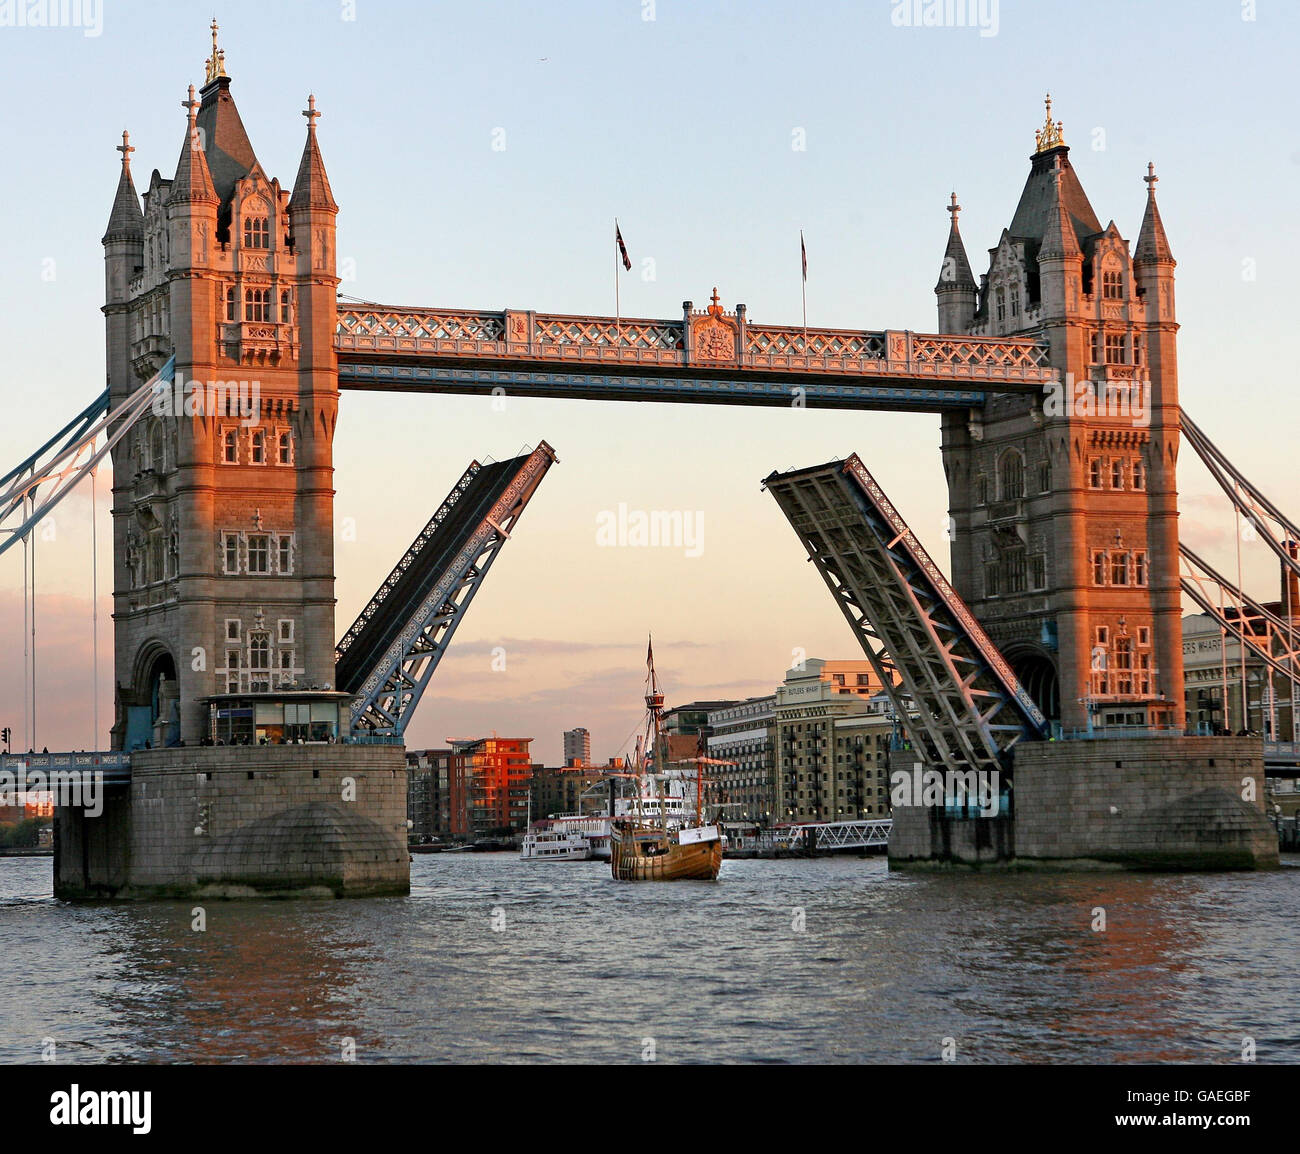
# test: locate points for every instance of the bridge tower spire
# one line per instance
(1063, 506)
(956, 287)
(223, 499)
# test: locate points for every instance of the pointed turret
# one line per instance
(1152, 244)
(956, 288)
(126, 221)
(193, 182)
(312, 188)
(1059, 239)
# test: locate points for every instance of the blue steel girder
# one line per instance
(969, 708)
(391, 685)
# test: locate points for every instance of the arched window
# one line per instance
(1015, 301)
(1112, 286)
(284, 307)
(285, 449)
(157, 449)
(1001, 297)
(1011, 476)
(231, 304)
(230, 447)
(257, 447)
(257, 232)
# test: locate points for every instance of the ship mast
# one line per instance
(654, 703)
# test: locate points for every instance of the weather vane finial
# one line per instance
(1050, 135)
(217, 61)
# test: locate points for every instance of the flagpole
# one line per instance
(803, 285)
(618, 308)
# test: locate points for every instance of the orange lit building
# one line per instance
(490, 779)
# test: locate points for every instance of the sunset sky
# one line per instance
(682, 126)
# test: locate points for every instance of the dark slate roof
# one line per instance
(126, 221)
(193, 181)
(312, 188)
(954, 257)
(229, 152)
(1036, 212)
(1152, 244)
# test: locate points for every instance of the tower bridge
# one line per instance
(1062, 612)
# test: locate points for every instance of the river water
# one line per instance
(493, 959)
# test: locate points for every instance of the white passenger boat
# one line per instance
(547, 841)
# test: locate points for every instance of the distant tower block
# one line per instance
(1065, 540)
(577, 746)
(223, 509)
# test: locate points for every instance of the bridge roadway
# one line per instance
(710, 356)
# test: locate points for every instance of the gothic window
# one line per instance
(1014, 566)
(259, 662)
(157, 451)
(1011, 475)
(232, 670)
(1045, 477)
(284, 629)
(1015, 301)
(155, 558)
(982, 491)
(1094, 347)
(230, 447)
(1140, 568)
(230, 556)
(1099, 566)
(1112, 286)
(1137, 348)
(284, 449)
(257, 305)
(1114, 348)
(1103, 634)
(1124, 665)
(1001, 298)
(1117, 473)
(284, 307)
(257, 232)
(1094, 473)
(1038, 571)
(1139, 475)
(257, 447)
(1119, 568)
(284, 554)
(1144, 633)
(1144, 673)
(258, 553)
(232, 628)
(231, 304)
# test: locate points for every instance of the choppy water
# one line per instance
(587, 969)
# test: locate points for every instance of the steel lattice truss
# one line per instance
(1271, 638)
(391, 688)
(70, 456)
(967, 707)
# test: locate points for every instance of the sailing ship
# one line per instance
(644, 845)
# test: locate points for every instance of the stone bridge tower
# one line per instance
(1064, 506)
(223, 496)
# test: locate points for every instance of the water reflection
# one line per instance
(832, 960)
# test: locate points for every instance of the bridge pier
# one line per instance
(1154, 803)
(243, 821)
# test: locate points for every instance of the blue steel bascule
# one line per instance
(227, 274)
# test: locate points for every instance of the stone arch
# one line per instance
(153, 707)
(1036, 670)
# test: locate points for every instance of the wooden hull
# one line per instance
(640, 859)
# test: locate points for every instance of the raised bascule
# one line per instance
(265, 752)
